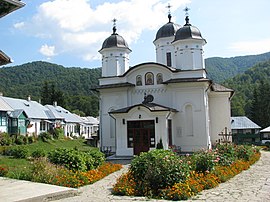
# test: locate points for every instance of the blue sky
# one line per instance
(70, 32)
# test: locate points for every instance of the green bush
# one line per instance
(244, 152)
(31, 139)
(58, 133)
(6, 139)
(45, 137)
(3, 171)
(38, 153)
(18, 152)
(158, 169)
(20, 140)
(160, 144)
(98, 157)
(226, 154)
(205, 161)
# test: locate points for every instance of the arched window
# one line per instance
(138, 80)
(189, 120)
(149, 78)
(159, 78)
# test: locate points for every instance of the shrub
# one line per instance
(77, 160)
(205, 161)
(3, 171)
(45, 137)
(58, 133)
(158, 169)
(160, 144)
(18, 152)
(31, 139)
(6, 139)
(20, 140)
(38, 153)
(227, 154)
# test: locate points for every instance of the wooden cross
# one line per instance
(225, 135)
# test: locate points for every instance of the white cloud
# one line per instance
(19, 25)
(75, 26)
(48, 51)
(251, 47)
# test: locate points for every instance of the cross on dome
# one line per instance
(187, 15)
(169, 12)
(114, 25)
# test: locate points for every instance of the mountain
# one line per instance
(220, 69)
(244, 86)
(28, 79)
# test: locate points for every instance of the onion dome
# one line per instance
(167, 30)
(115, 40)
(188, 32)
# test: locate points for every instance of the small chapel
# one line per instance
(170, 101)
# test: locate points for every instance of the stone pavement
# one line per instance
(250, 185)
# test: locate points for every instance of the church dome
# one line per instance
(115, 40)
(167, 30)
(188, 32)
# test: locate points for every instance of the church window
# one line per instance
(149, 78)
(159, 78)
(189, 120)
(169, 59)
(170, 132)
(139, 80)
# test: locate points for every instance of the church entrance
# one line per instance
(141, 135)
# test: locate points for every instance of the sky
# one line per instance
(71, 32)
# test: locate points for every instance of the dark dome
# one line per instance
(114, 40)
(188, 32)
(167, 30)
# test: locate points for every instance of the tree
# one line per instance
(49, 95)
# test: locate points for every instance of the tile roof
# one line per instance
(31, 108)
(242, 122)
(4, 106)
(62, 113)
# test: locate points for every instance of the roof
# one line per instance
(266, 130)
(116, 85)
(4, 59)
(16, 113)
(219, 88)
(188, 32)
(242, 122)
(115, 40)
(183, 80)
(90, 120)
(4, 106)
(31, 108)
(62, 113)
(167, 30)
(8, 6)
(153, 107)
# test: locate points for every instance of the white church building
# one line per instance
(170, 100)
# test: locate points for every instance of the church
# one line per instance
(170, 101)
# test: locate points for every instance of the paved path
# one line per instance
(251, 185)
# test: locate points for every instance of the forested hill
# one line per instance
(75, 83)
(220, 69)
(254, 79)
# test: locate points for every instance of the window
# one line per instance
(43, 125)
(149, 78)
(139, 80)
(170, 132)
(159, 78)
(189, 120)
(3, 119)
(169, 59)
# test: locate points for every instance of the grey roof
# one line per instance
(61, 113)
(115, 40)
(219, 88)
(8, 6)
(183, 80)
(116, 85)
(16, 113)
(31, 108)
(4, 106)
(4, 59)
(188, 32)
(242, 122)
(153, 107)
(167, 30)
(266, 130)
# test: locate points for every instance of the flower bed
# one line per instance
(206, 170)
